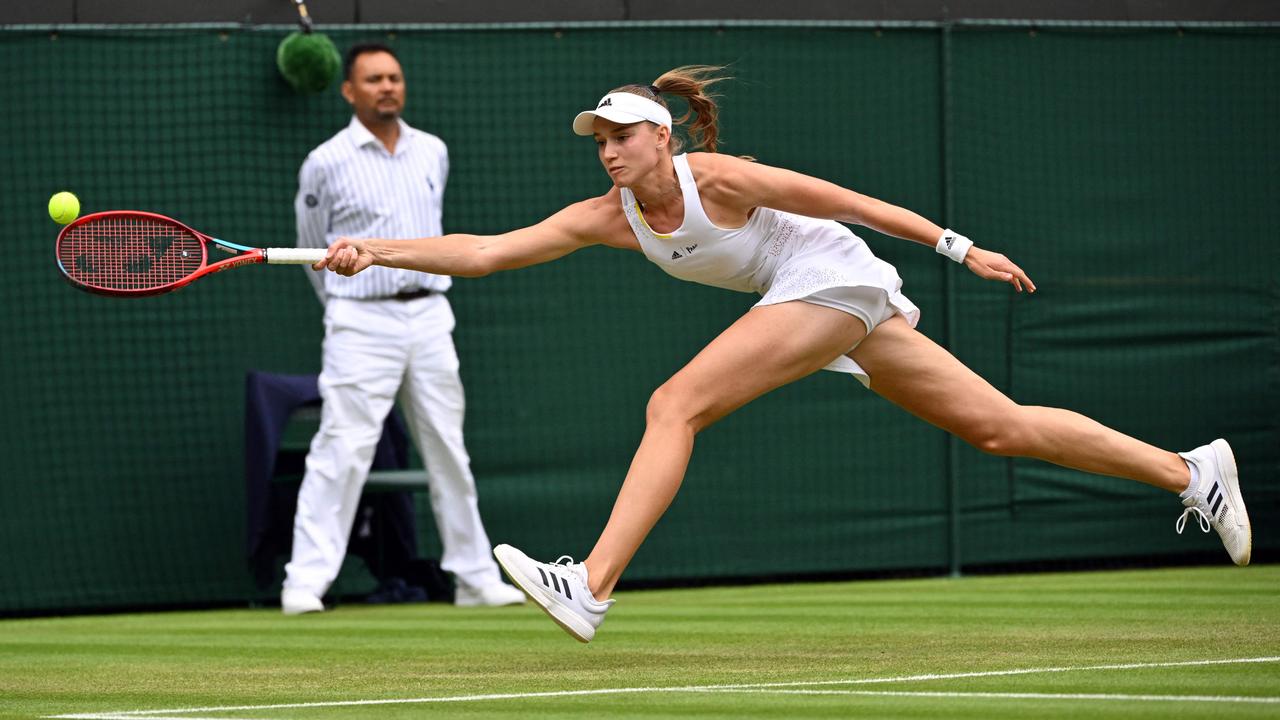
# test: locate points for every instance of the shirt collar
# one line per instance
(361, 136)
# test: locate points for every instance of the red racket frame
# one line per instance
(64, 252)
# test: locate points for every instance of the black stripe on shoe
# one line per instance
(561, 585)
(555, 582)
(1213, 509)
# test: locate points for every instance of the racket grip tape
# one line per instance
(294, 256)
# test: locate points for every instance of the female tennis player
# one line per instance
(827, 303)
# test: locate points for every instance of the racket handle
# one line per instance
(294, 256)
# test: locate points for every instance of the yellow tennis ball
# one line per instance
(64, 207)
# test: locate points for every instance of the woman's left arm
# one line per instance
(747, 185)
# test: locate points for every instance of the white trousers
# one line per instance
(376, 352)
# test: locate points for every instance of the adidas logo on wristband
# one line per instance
(953, 245)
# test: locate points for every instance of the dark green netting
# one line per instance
(1134, 174)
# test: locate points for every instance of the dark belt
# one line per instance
(412, 294)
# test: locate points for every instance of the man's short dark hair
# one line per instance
(363, 49)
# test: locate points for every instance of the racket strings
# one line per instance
(129, 253)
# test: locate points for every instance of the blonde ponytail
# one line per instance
(689, 82)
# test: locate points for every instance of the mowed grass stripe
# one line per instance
(774, 688)
(673, 638)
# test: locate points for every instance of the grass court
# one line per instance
(1191, 643)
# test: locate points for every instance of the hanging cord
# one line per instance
(303, 18)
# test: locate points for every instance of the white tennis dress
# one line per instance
(779, 255)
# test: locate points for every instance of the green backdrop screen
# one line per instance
(1134, 172)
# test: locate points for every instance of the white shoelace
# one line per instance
(578, 571)
(1200, 518)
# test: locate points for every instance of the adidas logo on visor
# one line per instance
(623, 108)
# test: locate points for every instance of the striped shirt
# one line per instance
(352, 186)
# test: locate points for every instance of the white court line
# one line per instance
(185, 713)
(1014, 696)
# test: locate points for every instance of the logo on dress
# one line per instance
(691, 248)
(676, 255)
(311, 200)
(785, 230)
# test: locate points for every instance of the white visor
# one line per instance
(623, 108)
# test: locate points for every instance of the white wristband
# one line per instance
(953, 245)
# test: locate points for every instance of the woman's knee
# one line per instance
(672, 406)
(1003, 435)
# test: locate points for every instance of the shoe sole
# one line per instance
(300, 610)
(309, 604)
(1227, 463)
(565, 618)
(308, 611)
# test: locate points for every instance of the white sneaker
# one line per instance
(297, 602)
(495, 595)
(559, 588)
(1218, 503)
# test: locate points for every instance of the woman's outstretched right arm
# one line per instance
(574, 227)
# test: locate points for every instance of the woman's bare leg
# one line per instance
(913, 372)
(768, 347)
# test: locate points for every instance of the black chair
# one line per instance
(282, 412)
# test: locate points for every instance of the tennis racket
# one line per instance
(127, 253)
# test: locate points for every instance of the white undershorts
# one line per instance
(869, 304)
